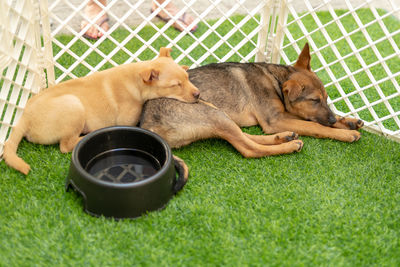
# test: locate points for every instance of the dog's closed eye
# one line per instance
(315, 101)
(175, 83)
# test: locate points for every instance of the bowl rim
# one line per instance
(86, 175)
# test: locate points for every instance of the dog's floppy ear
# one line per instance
(304, 58)
(149, 75)
(185, 67)
(165, 52)
(292, 89)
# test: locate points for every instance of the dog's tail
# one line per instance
(183, 173)
(10, 148)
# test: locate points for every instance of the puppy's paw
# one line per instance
(25, 169)
(295, 146)
(359, 124)
(356, 136)
(350, 136)
(291, 136)
(354, 124)
(285, 137)
(22, 167)
(348, 123)
(299, 144)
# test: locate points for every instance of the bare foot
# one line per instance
(91, 11)
(183, 22)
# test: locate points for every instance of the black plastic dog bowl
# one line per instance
(123, 172)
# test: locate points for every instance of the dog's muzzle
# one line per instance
(327, 122)
(332, 119)
(196, 95)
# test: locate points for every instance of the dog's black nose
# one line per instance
(332, 119)
(196, 94)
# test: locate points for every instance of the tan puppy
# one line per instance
(62, 113)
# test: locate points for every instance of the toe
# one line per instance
(300, 145)
(356, 136)
(291, 136)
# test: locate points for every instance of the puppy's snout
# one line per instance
(196, 94)
(332, 119)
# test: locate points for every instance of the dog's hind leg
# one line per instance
(71, 136)
(64, 126)
(249, 148)
(183, 173)
(199, 121)
(67, 144)
(273, 139)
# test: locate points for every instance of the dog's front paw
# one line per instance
(351, 136)
(348, 123)
(354, 124)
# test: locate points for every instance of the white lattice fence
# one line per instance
(355, 46)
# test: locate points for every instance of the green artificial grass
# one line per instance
(333, 203)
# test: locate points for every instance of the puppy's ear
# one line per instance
(304, 58)
(292, 90)
(165, 52)
(185, 67)
(149, 75)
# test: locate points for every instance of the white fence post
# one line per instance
(47, 42)
(279, 33)
(263, 34)
(270, 37)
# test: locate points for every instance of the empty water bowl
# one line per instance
(124, 172)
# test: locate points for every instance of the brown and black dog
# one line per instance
(283, 100)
